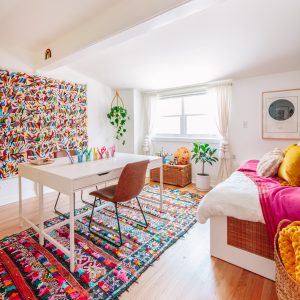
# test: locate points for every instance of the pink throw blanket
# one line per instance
(277, 202)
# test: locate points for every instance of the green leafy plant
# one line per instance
(205, 154)
(118, 116)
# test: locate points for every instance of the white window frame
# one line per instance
(183, 136)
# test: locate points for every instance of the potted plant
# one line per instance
(206, 155)
(118, 117)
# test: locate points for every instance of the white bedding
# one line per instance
(235, 197)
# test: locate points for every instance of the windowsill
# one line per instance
(188, 139)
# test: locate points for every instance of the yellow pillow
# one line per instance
(290, 168)
(288, 148)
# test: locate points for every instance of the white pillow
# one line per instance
(269, 164)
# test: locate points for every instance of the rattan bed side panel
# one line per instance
(249, 236)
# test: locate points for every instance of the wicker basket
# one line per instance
(286, 287)
(249, 236)
(179, 175)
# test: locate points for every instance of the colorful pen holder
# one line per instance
(80, 156)
(88, 155)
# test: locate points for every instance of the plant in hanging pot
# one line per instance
(206, 155)
(118, 117)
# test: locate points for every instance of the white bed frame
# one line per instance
(241, 258)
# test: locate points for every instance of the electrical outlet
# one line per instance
(233, 156)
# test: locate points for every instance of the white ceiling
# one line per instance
(31, 24)
(236, 38)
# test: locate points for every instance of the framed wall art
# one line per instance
(280, 114)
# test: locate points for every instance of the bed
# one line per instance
(238, 232)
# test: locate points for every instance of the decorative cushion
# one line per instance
(290, 167)
(183, 156)
(269, 164)
(288, 148)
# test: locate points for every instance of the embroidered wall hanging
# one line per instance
(39, 116)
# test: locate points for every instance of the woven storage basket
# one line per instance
(179, 175)
(286, 287)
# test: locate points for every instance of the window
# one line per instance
(187, 116)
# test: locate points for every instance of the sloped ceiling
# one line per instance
(233, 39)
(32, 24)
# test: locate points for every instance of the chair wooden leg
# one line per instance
(100, 235)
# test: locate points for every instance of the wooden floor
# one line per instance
(184, 271)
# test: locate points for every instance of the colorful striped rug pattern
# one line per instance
(30, 271)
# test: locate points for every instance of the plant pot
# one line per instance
(203, 182)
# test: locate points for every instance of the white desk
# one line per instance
(68, 178)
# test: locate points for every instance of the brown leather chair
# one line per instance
(58, 154)
(131, 183)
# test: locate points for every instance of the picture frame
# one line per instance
(280, 114)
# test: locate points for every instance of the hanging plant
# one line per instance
(118, 117)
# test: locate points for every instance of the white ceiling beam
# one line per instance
(123, 21)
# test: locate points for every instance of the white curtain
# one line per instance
(150, 101)
(223, 96)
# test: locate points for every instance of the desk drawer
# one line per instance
(96, 179)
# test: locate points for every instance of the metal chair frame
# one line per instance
(63, 214)
(118, 221)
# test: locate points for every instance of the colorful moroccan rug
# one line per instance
(29, 271)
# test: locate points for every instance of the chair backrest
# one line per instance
(131, 181)
(63, 153)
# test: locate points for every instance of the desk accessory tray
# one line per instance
(41, 161)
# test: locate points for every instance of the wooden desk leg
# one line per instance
(20, 202)
(72, 243)
(161, 178)
(41, 214)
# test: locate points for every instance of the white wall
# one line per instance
(247, 143)
(16, 59)
(132, 99)
(139, 122)
(99, 130)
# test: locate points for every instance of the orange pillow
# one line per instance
(289, 170)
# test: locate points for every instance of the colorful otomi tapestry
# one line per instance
(38, 116)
